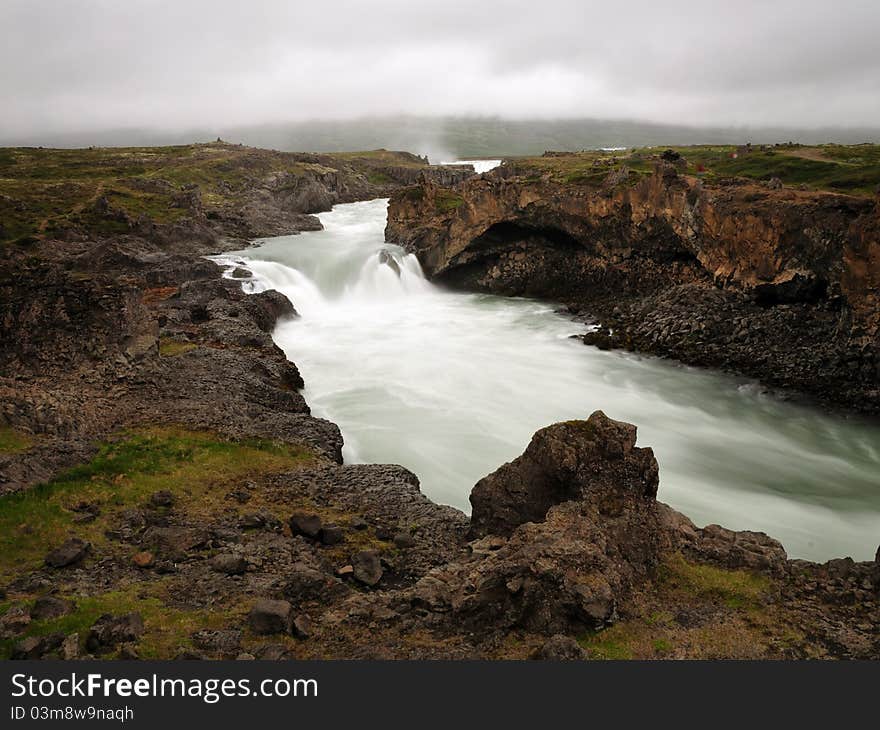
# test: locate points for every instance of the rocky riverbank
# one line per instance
(751, 277)
(167, 493)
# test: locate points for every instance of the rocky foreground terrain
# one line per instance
(699, 254)
(167, 493)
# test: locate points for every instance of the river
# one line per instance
(452, 384)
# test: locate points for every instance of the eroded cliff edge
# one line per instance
(769, 281)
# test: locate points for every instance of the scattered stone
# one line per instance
(70, 647)
(305, 583)
(14, 621)
(109, 631)
(270, 617)
(331, 535)
(174, 543)
(305, 525)
(273, 653)
(239, 495)
(129, 652)
(560, 648)
(245, 657)
(224, 641)
(143, 559)
(70, 553)
(29, 648)
(302, 626)
(359, 523)
(366, 567)
(47, 607)
(162, 498)
(345, 570)
(229, 564)
(404, 540)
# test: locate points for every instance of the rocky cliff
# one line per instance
(769, 281)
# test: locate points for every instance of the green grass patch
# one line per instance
(447, 201)
(167, 628)
(169, 347)
(612, 643)
(736, 589)
(13, 441)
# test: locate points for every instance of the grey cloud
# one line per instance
(89, 64)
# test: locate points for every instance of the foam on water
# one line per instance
(452, 384)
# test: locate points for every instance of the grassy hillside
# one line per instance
(43, 191)
(851, 169)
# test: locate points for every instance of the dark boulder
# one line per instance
(305, 525)
(47, 607)
(271, 617)
(595, 459)
(331, 535)
(70, 553)
(229, 564)
(110, 631)
(367, 567)
(560, 648)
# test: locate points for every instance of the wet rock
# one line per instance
(47, 607)
(229, 564)
(259, 520)
(109, 631)
(560, 648)
(331, 535)
(305, 525)
(270, 617)
(367, 568)
(70, 553)
(595, 459)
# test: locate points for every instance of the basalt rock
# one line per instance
(574, 525)
(796, 271)
(595, 459)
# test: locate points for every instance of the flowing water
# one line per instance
(451, 385)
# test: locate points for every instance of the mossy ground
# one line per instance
(850, 169)
(13, 441)
(46, 191)
(198, 467)
(697, 611)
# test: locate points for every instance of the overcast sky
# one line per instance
(70, 65)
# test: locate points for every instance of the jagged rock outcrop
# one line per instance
(565, 531)
(778, 284)
(594, 460)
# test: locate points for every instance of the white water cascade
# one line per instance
(451, 385)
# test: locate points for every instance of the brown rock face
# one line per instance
(595, 460)
(581, 526)
(776, 284)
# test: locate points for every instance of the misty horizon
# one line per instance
(152, 69)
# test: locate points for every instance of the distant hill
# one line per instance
(447, 137)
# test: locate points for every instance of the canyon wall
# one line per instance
(772, 282)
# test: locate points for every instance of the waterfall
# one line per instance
(452, 385)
